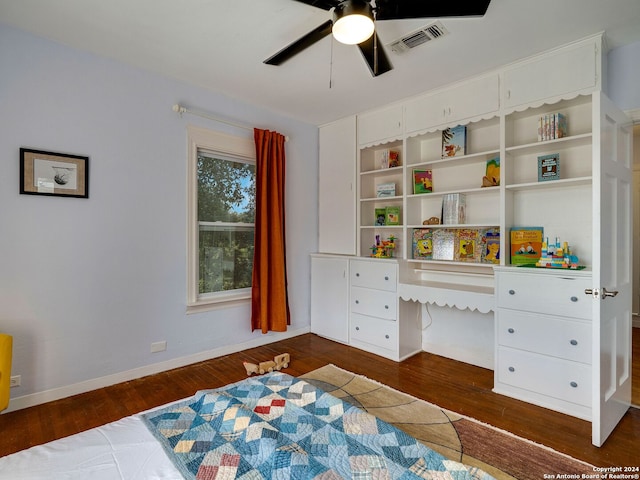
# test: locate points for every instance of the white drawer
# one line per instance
(562, 379)
(374, 303)
(374, 274)
(544, 334)
(557, 294)
(374, 331)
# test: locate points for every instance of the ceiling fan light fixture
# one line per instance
(353, 22)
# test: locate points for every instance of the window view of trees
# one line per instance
(226, 213)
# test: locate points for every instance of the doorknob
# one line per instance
(605, 293)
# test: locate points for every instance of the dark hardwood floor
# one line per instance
(457, 386)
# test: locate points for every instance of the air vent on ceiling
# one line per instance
(424, 35)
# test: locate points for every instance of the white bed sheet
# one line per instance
(122, 450)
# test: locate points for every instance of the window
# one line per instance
(221, 218)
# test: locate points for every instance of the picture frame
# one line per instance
(53, 174)
(549, 167)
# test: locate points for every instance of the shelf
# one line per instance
(452, 262)
(456, 225)
(562, 183)
(495, 189)
(458, 160)
(382, 171)
(382, 199)
(564, 142)
(381, 227)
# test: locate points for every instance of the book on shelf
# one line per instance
(422, 181)
(381, 216)
(467, 245)
(490, 245)
(492, 173)
(386, 190)
(552, 126)
(422, 243)
(526, 245)
(471, 245)
(549, 167)
(392, 216)
(454, 141)
(444, 240)
(453, 208)
(390, 159)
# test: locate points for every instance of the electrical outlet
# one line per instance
(158, 347)
(15, 381)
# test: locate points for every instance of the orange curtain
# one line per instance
(269, 300)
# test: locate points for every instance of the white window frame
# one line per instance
(203, 139)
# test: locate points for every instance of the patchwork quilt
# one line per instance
(280, 427)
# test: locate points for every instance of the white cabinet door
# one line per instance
(470, 99)
(337, 187)
(571, 69)
(381, 125)
(330, 297)
(612, 271)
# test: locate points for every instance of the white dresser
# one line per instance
(375, 323)
(543, 338)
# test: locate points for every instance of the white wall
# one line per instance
(624, 75)
(86, 285)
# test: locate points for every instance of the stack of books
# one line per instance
(453, 208)
(552, 126)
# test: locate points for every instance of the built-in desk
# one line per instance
(464, 333)
(473, 297)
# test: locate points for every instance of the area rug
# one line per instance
(459, 438)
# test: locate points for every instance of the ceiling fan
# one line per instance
(353, 23)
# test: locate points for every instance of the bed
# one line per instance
(273, 426)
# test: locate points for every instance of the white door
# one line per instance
(330, 297)
(612, 267)
(336, 187)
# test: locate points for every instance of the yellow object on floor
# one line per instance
(6, 344)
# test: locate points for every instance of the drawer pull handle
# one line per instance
(574, 299)
(357, 328)
(511, 369)
(574, 342)
(386, 277)
(574, 384)
(357, 302)
(386, 307)
(512, 292)
(511, 330)
(387, 337)
(357, 274)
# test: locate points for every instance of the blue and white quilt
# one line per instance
(280, 427)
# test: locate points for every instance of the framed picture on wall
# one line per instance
(56, 174)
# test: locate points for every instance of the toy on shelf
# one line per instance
(432, 221)
(557, 255)
(279, 362)
(383, 248)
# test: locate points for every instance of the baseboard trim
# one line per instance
(39, 398)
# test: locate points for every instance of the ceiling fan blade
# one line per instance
(299, 45)
(323, 4)
(398, 9)
(375, 55)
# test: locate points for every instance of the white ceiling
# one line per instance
(221, 44)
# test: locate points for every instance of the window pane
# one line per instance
(226, 205)
(226, 258)
(226, 190)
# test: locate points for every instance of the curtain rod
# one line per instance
(181, 109)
